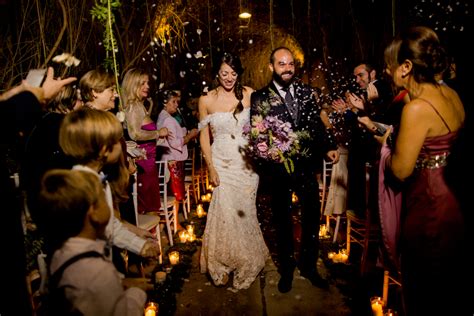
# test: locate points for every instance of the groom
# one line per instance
(294, 102)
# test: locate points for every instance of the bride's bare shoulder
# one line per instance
(248, 89)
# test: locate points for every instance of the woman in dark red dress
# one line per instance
(432, 228)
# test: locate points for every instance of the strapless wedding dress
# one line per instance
(232, 241)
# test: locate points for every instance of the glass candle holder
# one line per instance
(183, 236)
(190, 229)
(376, 303)
(174, 257)
(151, 309)
(200, 211)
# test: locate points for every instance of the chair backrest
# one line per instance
(189, 165)
(324, 185)
(168, 203)
(135, 195)
(163, 177)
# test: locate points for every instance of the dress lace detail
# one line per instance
(233, 241)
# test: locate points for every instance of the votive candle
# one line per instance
(200, 210)
(190, 229)
(183, 236)
(151, 309)
(174, 257)
(376, 303)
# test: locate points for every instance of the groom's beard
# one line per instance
(282, 82)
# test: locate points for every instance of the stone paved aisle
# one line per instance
(200, 297)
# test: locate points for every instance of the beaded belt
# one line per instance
(432, 162)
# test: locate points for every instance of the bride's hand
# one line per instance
(214, 177)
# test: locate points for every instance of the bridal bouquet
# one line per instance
(274, 140)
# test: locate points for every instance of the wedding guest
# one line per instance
(98, 90)
(433, 229)
(19, 109)
(334, 118)
(174, 148)
(42, 150)
(77, 213)
(293, 102)
(376, 92)
(93, 139)
(143, 130)
(232, 241)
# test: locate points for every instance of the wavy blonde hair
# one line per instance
(131, 84)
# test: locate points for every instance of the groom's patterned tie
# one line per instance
(291, 104)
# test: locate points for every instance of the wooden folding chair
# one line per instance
(362, 230)
(169, 205)
(147, 222)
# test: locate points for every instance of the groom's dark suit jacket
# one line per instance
(308, 120)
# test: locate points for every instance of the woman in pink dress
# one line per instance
(135, 90)
(175, 149)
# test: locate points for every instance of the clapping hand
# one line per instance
(372, 92)
(339, 105)
(356, 101)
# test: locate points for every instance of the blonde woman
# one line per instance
(135, 89)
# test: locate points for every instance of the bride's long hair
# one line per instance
(236, 65)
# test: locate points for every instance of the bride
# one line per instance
(233, 241)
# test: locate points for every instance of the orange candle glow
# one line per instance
(151, 309)
(174, 257)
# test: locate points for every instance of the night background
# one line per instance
(176, 41)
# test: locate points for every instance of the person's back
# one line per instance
(77, 213)
(432, 225)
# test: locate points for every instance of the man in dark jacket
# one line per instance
(292, 101)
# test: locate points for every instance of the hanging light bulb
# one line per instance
(244, 12)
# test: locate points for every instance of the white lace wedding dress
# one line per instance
(232, 241)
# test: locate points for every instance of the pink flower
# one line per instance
(262, 147)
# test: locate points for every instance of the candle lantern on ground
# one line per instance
(200, 211)
(151, 309)
(190, 229)
(322, 230)
(174, 257)
(183, 236)
(376, 303)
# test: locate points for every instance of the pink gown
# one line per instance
(148, 185)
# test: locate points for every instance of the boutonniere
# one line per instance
(264, 106)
